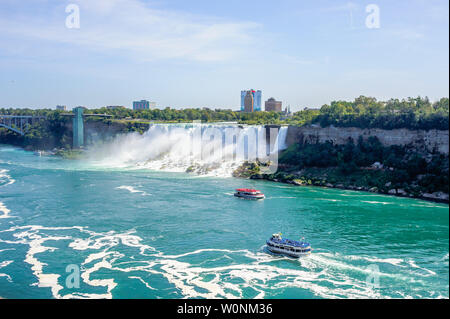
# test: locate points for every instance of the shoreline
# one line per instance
(373, 181)
(427, 199)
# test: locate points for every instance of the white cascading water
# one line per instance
(281, 138)
(198, 148)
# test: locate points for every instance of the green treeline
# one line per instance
(204, 115)
(363, 112)
(45, 134)
(366, 112)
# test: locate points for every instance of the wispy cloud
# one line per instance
(407, 34)
(331, 8)
(296, 60)
(134, 28)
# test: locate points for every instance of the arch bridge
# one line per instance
(18, 123)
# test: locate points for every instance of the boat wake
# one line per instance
(108, 259)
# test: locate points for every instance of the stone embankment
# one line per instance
(428, 141)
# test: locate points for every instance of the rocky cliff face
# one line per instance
(427, 140)
(98, 130)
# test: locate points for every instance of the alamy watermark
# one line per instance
(73, 17)
(373, 19)
(373, 279)
(215, 144)
(73, 277)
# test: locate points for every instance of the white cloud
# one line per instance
(134, 28)
(296, 60)
(407, 34)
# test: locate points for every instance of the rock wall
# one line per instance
(98, 130)
(428, 140)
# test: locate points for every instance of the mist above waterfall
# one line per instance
(198, 148)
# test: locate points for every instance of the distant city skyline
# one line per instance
(201, 53)
(273, 105)
(257, 99)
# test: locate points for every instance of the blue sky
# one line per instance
(201, 53)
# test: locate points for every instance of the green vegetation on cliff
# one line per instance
(204, 115)
(366, 165)
(47, 133)
(366, 112)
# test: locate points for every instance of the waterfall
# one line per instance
(206, 149)
(281, 138)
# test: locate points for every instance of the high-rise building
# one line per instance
(114, 107)
(249, 102)
(61, 108)
(273, 105)
(141, 105)
(257, 97)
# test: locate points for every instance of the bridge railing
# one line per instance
(18, 123)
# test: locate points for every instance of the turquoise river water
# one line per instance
(143, 233)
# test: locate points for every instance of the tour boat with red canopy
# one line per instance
(249, 193)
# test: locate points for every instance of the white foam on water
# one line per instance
(337, 262)
(196, 252)
(376, 202)
(8, 277)
(36, 247)
(3, 264)
(282, 197)
(4, 210)
(430, 206)
(142, 280)
(5, 179)
(104, 263)
(6, 263)
(392, 261)
(35, 241)
(329, 199)
(131, 189)
(324, 274)
(428, 271)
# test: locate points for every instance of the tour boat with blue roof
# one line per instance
(249, 193)
(293, 248)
